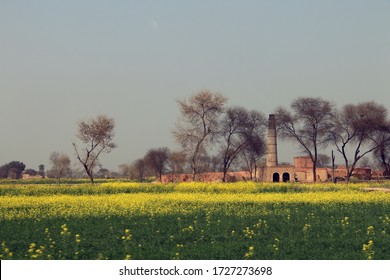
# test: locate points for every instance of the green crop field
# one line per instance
(125, 220)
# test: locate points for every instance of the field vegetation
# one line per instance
(245, 220)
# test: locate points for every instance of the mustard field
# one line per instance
(245, 220)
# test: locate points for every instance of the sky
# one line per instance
(66, 61)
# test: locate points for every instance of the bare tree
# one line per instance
(125, 170)
(157, 160)
(308, 123)
(209, 163)
(97, 135)
(256, 147)
(234, 132)
(355, 128)
(60, 165)
(382, 153)
(252, 155)
(176, 162)
(215, 163)
(139, 169)
(199, 124)
(241, 129)
(136, 170)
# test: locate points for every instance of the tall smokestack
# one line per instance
(272, 149)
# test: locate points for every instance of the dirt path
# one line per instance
(377, 189)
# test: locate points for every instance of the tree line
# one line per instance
(236, 134)
(215, 137)
(354, 131)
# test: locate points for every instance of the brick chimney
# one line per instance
(272, 148)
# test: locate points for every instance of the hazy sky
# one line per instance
(64, 61)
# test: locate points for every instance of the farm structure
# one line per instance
(302, 170)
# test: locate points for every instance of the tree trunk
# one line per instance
(194, 171)
(225, 169)
(347, 172)
(255, 167)
(314, 173)
(89, 173)
(333, 159)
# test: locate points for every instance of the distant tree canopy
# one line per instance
(60, 166)
(103, 173)
(157, 160)
(30, 172)
(41, 170)
(12, 170)
(176, 162)
(139, 169)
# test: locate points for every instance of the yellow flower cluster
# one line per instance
(64, 205)
(34, 251)
(250, 253)
(5, 252)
